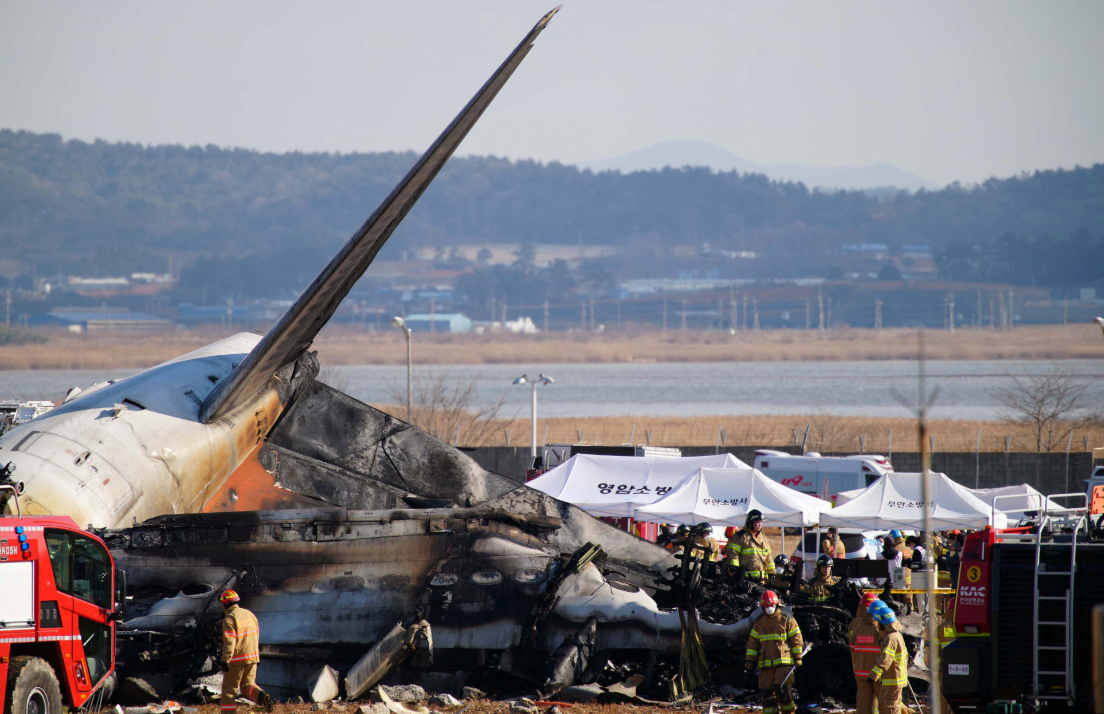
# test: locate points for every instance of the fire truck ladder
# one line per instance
(1057, 519)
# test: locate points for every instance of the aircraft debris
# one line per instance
(324, 684)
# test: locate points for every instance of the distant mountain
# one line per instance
(677, 154)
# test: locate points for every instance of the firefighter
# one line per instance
(240, 655)
(863, 638)
(682, 533)
(754, 548)
(731, 553)
(832, 544)
(818, 588)
(774, 645)
(783, 573)
(890, 671)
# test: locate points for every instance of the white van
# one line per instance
(816, 475)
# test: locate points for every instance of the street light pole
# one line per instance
(542, 379)
(401, 324)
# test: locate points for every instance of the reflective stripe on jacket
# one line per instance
(892, 667)
(241, 636)
(774, 640)
(755, 554)
(818, 589)
(862, 637)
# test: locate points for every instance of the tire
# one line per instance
(826, 671)
(32, 687)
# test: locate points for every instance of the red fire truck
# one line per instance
(57, 613)
(1023, 615)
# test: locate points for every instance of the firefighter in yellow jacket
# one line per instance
(818, 588)
(862, 636)
(890, 672)
(774, 645)
(240, 655)
(753, 549)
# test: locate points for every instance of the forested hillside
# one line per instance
(110, 208)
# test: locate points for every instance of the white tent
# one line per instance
(895, 501)
(844, 496)
(615, 486)
(723, 497)
(1014, 500)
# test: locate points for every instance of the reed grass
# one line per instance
(338, 345)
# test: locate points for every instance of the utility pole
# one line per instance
(992, 318)
(877, 313)
(432, 313)
(1065, 311)
(546, 316)
(950, 311)
(683, 315)
(755, 311)
(619, 314)
(829, 311)
(583, 304)
(664, 315)
(494, 308)
(732, 312)
(7, 316)
(807, 309)
(504, 311)
(1011, 310)
(720, 314)
(591, 314)
(744, 296)
(977, 321)
(820, 307)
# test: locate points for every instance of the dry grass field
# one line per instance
(827, 433)
(344, 346)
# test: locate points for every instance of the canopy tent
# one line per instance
(895, 501)
(1014, 500)
(615, 486)
(845, 496)
(723, 497)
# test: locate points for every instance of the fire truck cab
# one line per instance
(1023, 630)
(57, 614)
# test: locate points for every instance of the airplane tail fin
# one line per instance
(296, 329)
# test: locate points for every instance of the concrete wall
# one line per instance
(1044, 471)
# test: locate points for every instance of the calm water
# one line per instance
(840, 388)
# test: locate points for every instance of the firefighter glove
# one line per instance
(223, 666)
(797, 663)
(749, 665)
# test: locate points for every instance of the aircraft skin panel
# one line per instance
(296, 329)
(135, 449)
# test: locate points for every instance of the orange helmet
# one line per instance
(768, 598)
(229, 598)
(949, 606)
(730, 531)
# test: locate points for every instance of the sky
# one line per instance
(950, 91)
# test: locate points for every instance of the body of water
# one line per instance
(966, 388)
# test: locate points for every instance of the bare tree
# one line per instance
(331, 376)
(445, 407)
(1049, 405)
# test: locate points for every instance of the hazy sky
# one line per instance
(947, 90)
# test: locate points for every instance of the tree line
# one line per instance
(110, 208)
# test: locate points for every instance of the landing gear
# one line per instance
(826, 672)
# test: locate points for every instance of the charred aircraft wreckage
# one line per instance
(356, 538)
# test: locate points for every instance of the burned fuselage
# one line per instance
(326, 584)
